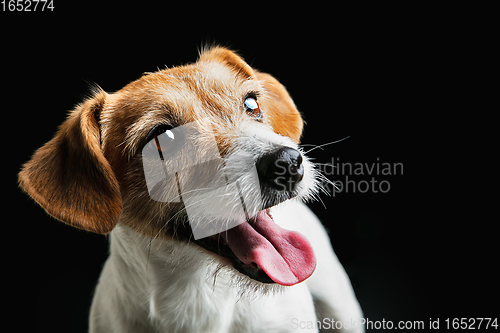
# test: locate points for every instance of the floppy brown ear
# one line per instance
(70, 177)
(280, 108)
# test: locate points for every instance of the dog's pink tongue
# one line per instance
(286, 256)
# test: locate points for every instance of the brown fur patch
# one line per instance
(281, 110)
(69, 176)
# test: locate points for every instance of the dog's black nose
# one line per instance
(281, 169)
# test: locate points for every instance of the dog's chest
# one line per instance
(188, 307)
(215, 307)
(218, 308)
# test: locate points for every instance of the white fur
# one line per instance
(166, 286)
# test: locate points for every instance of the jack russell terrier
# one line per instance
(196, 174)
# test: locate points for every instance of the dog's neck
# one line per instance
(171, 280)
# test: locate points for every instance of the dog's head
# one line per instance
(204, 148)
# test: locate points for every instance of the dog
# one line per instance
(209, 147)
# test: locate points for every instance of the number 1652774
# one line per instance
(27, 5)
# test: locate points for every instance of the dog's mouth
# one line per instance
(264, 251)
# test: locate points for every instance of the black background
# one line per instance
(408, 256)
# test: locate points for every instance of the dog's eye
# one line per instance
(252, 108)
(162, 139)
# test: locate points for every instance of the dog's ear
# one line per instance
(280, 108)
(70, 177)
(228, 58)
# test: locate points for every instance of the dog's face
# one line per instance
(146, 155)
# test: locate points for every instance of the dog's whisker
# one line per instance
(326, 144)
(326, 164)
(319, 198)
(324, 178)
(154, 216)
(149, 253)
(166, 224)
